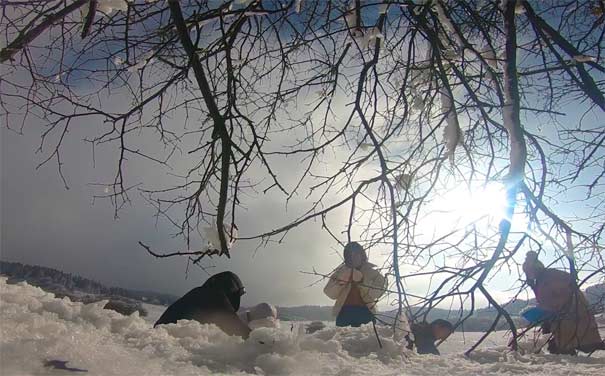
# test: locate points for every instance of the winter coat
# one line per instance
(424, 339)
(215, 302)
(370, 282)
(574, 326)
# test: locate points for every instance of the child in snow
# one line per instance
(571, 322)
(425, 335)
(356, 286)
(215, 302)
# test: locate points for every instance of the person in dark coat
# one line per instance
(215, 302)
(425, 335)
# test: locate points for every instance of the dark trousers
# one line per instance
(354, 316)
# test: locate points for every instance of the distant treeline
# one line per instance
(65, 284)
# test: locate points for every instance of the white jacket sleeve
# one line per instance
(337, 282)
(373, 285)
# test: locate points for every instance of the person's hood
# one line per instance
(353, 248)
(229, 284)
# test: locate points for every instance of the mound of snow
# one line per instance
(37, 329)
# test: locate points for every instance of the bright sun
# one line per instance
(464, 206)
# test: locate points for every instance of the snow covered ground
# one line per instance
(456, 343)
(35, 327)
(153, 312)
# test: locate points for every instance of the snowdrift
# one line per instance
(36, 328)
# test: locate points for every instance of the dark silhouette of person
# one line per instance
(426, 334)
(215, 302)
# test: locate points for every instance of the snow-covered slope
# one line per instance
(35, 327)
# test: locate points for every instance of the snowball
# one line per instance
(257, 13)
(213, 238)
(452, 135)
(108, 6)
(584, 59)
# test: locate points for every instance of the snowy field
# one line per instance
(36, 328)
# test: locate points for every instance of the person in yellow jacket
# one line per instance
(356, 286)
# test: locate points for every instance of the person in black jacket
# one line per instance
(426, 334)
(215, 302)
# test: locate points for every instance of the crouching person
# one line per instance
(356, 286)
(570, 319)
(215, 302)
(425, 336)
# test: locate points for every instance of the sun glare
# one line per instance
(465, 206)
(490, 200)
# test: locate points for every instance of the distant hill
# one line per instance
(480, 321)
(482, 318)
(82, 289)
(305, 313)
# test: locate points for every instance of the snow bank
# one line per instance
(37, 327)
